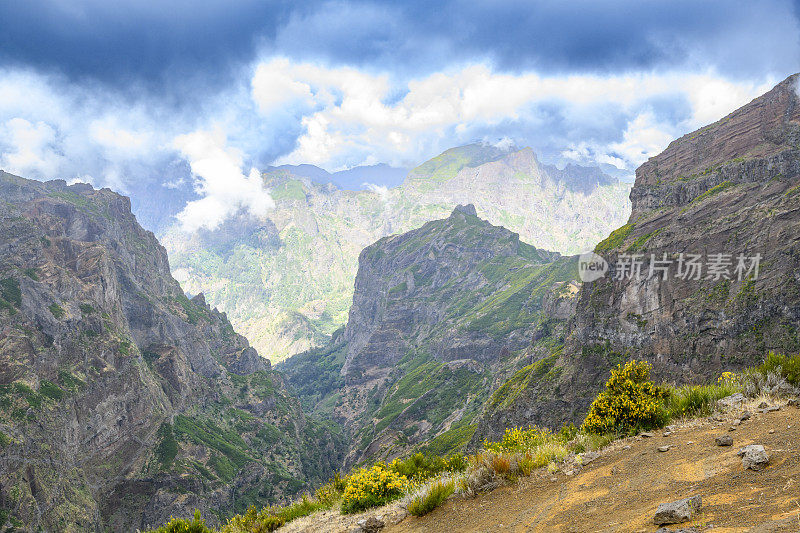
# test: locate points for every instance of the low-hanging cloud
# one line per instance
(225, 189)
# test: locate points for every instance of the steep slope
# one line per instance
(441, 315)
(620, 490)
(122, 402)
(287, 283)
(731, 188)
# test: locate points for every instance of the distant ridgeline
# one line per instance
(122, 402)
(286, 281)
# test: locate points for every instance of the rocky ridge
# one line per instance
(123, 402)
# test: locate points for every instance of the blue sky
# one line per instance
(189, 97)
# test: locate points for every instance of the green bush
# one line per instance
(181, 525)
(629, 403)
(50, 390)
(697, 400)
(431, 497)
(57, 310)
(787, 366)
(419, 467)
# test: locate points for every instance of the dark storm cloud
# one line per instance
(144, 44)
(151, 44)
(736, 37)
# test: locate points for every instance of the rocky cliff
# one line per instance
(441, 316)
(725, 198)
(122, 402)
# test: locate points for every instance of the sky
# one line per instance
(183, 103)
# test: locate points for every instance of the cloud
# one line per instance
(225, 190)
(620, 119)
(380, 190)
(31, 147)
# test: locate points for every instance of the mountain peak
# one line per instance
(468, 209)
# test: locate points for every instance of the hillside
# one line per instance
(441, 316)
(286, 281)
(122, 401)
(620, 490)
(729, 188)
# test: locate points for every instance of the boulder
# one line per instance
(724, 440)
(678, 511)
(730, 402)
(373, 524)
(754, 457)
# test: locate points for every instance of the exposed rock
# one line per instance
(373, 524)
(730, 402)
(745, 416)
(754, 457)
(724, 440)
(128, 377)
(646, 435)
(468, 209)
(678, 511)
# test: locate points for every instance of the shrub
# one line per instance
(431, 497)
(629, 403)
(253, 521)
(371, 487)
(787, 366)
(501, 464)
(419, 467)
(699, 400)
(331, 491)
(181, 525)
(519, 440)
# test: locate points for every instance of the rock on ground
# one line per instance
(754, 457)
(724, 440)
(678, 511)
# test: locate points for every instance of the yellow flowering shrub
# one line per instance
(371, 487)
(629, 403)
(519, 440)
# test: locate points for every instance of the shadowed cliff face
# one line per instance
(124, 402)
(731, 188)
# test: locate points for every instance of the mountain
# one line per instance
(441, 316)
(730, 188)
(352, 179)
(286, 279)
(122, 401)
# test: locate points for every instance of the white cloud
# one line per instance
(350, 120)
(380, 190)
(31, 147)
(225, 189)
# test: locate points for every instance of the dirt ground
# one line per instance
(620, 490)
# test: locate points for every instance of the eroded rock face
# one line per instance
(124, 402)
(732, 188)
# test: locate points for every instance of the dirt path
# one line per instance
(620, 490)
